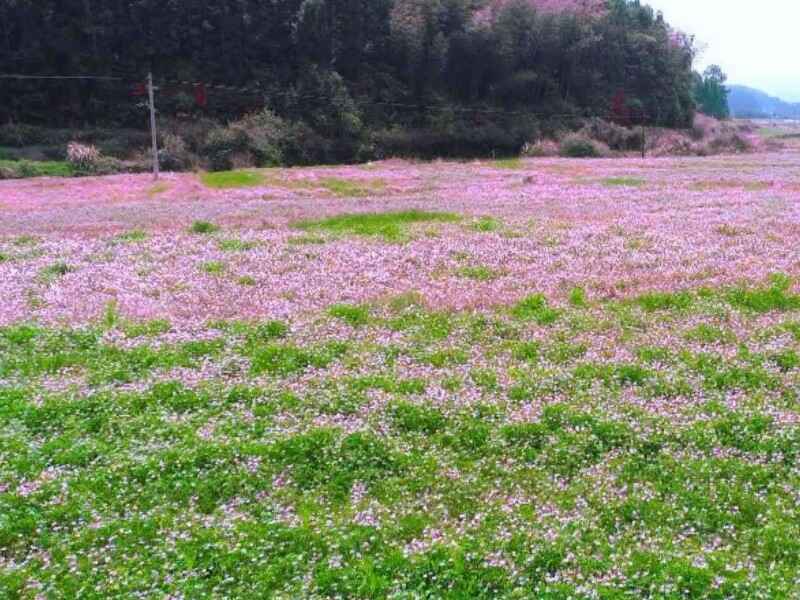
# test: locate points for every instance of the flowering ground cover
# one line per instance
(519, 379)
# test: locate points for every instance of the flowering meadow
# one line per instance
(540, 378)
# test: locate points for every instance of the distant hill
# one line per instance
(752, 103)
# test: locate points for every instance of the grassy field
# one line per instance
(528, 379)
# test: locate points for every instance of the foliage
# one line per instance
(332, 81)
(710, 92)
(579, 146)
(22, 169)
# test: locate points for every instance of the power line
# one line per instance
(71, 77)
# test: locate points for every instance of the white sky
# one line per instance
(755, 43)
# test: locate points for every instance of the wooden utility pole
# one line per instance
(153, 131)
(644, 141)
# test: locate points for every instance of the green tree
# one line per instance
(710, 92)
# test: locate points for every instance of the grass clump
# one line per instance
(56, 270)
(390, 225)
(286, 359)
(480, 273)
(623, 182)
(418, 419)
(655, 301)
(775, 297)
(445, 358)
(25, 240)
(535, 308)
(348, 188)
(486, 225)
(213, 267)
(222, 180)
(306, 240)
(577, 297)
(203, 228)
(512, 164)
(131, 237)
(526, 351)
(147, 328)
(234, 245)
(708, 334)
(356, 316)
(24, 169)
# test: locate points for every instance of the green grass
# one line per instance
(222, 180)
(233, 245)
(203, 228)
(131, 237)
(479, 273)
(657, 301)
(709, 334)
(214, 267)
(23, 169)
(513, 164)
(427, 455)
(774, 297)
(624, 182)
(486, 225)
(54, 271)
(355, 316)
(352, 188)
(535, 308)
(392, 226)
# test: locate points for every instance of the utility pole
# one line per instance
(644, 141)
(153, 123)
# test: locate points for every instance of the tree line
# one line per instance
(345, 67)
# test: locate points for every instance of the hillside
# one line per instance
(346, 80)
(749, 102)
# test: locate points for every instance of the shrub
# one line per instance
(122, 144)
(304, 146)
(541, 149)
(577, 145)
(173, 155)
(203, 227)
(18, 135)
(23, 169)
(614, 136)
(222, 145)
(87, 160)
(82, 157)
(266, 134)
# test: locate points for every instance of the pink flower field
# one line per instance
(542, 378)
(617, 228)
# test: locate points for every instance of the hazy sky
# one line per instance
(756, 43)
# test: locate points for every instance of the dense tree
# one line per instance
(342, 67)
(710, 92)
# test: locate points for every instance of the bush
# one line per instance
(614, 136)
(87, 160)
(578, 145)
(173, 154)
(224, 147)
(460, 139)
(304, 146)
(82, 157)
(541, 149)
(23, 169)
(122, 144)
(18, 135)
(266, 134)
